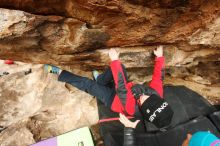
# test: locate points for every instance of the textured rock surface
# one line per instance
(20, 96)
(76, 35)
(44, 37)
(16, 135)
(45, 106)
(97, 24)
(140, 21)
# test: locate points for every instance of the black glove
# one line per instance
(129, 138)
(137, 91)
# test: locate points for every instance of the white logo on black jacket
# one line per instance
(159, 110)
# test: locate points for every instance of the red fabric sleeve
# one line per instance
(124, 101)
(157, 82)
(117, 104)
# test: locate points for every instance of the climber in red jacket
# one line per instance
(122, 96)
(102, 87)
(149, 98)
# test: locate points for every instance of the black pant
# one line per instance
(103, 88)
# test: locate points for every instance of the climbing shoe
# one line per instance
(51, 69)
(95, 74)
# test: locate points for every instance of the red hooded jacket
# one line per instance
(124, 102)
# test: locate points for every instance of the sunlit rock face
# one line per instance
(20, 96)
(77, 28)
(131, 22)
(16, 135)
(76, 35)
(38, 106)
(44, 37)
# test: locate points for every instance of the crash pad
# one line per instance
(173, 137)
(186, 104)
(191, 112)
(79, 137)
